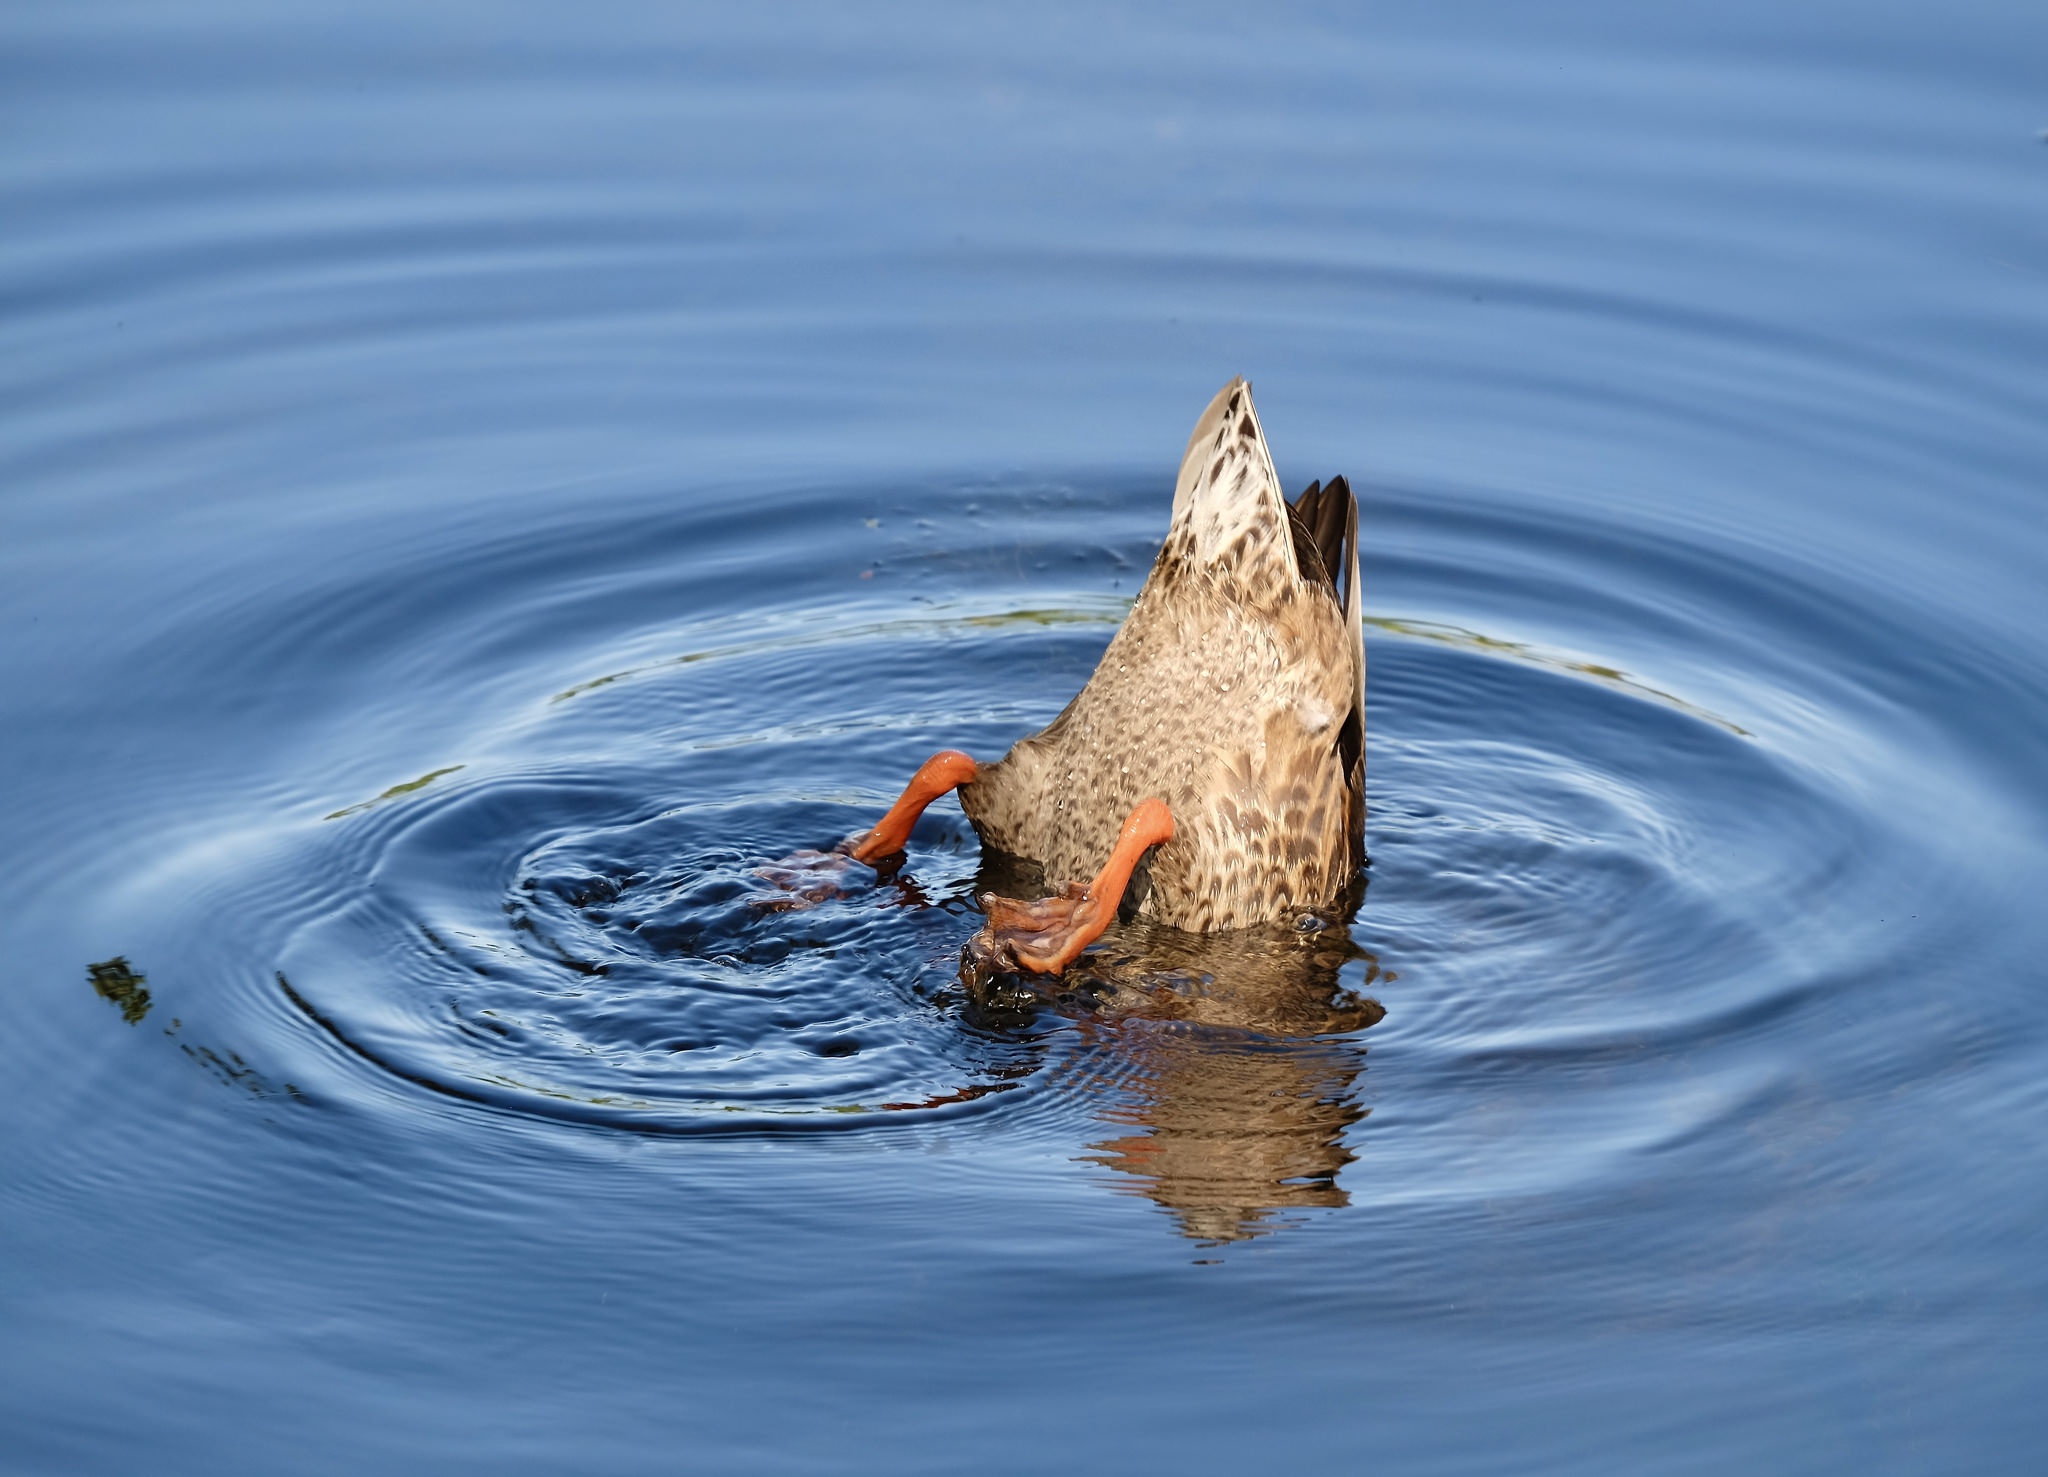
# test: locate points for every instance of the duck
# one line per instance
(1210, 775)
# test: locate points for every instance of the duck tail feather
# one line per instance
(1227, 504)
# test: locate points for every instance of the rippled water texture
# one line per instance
(477, 489)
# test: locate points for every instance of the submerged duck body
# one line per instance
(1234, 691)
(1216, 758)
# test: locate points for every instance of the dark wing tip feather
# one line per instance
(1323, 521)
(1301, 525)
(1336, 528)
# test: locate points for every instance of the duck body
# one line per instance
(1234, 692)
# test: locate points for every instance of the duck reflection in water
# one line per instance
(1222, 1061)
(1229, 1135)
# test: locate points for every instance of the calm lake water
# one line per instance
(476, 483)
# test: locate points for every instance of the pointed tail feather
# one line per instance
(1227, 501)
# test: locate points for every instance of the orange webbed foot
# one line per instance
(1047, 935)
(803, 879)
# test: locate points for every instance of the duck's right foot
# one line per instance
(1047, 935)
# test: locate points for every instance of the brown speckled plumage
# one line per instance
(1235, 691)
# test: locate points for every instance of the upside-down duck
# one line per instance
(1213, 767)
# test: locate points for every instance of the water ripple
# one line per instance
(1595, 850)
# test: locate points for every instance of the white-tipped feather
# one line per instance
(1227, 487)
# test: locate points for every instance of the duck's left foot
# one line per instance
(803, 879)
(1047, 935)
(806, 878)
(946, 770)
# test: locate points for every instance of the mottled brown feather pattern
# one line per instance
(1234, 691)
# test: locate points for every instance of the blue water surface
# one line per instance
(477, 483)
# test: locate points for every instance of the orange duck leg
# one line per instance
(946, 770)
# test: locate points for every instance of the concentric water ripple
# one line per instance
(482, 486)
(1583, 869)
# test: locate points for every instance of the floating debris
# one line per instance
(115, 981)
(393, 793)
